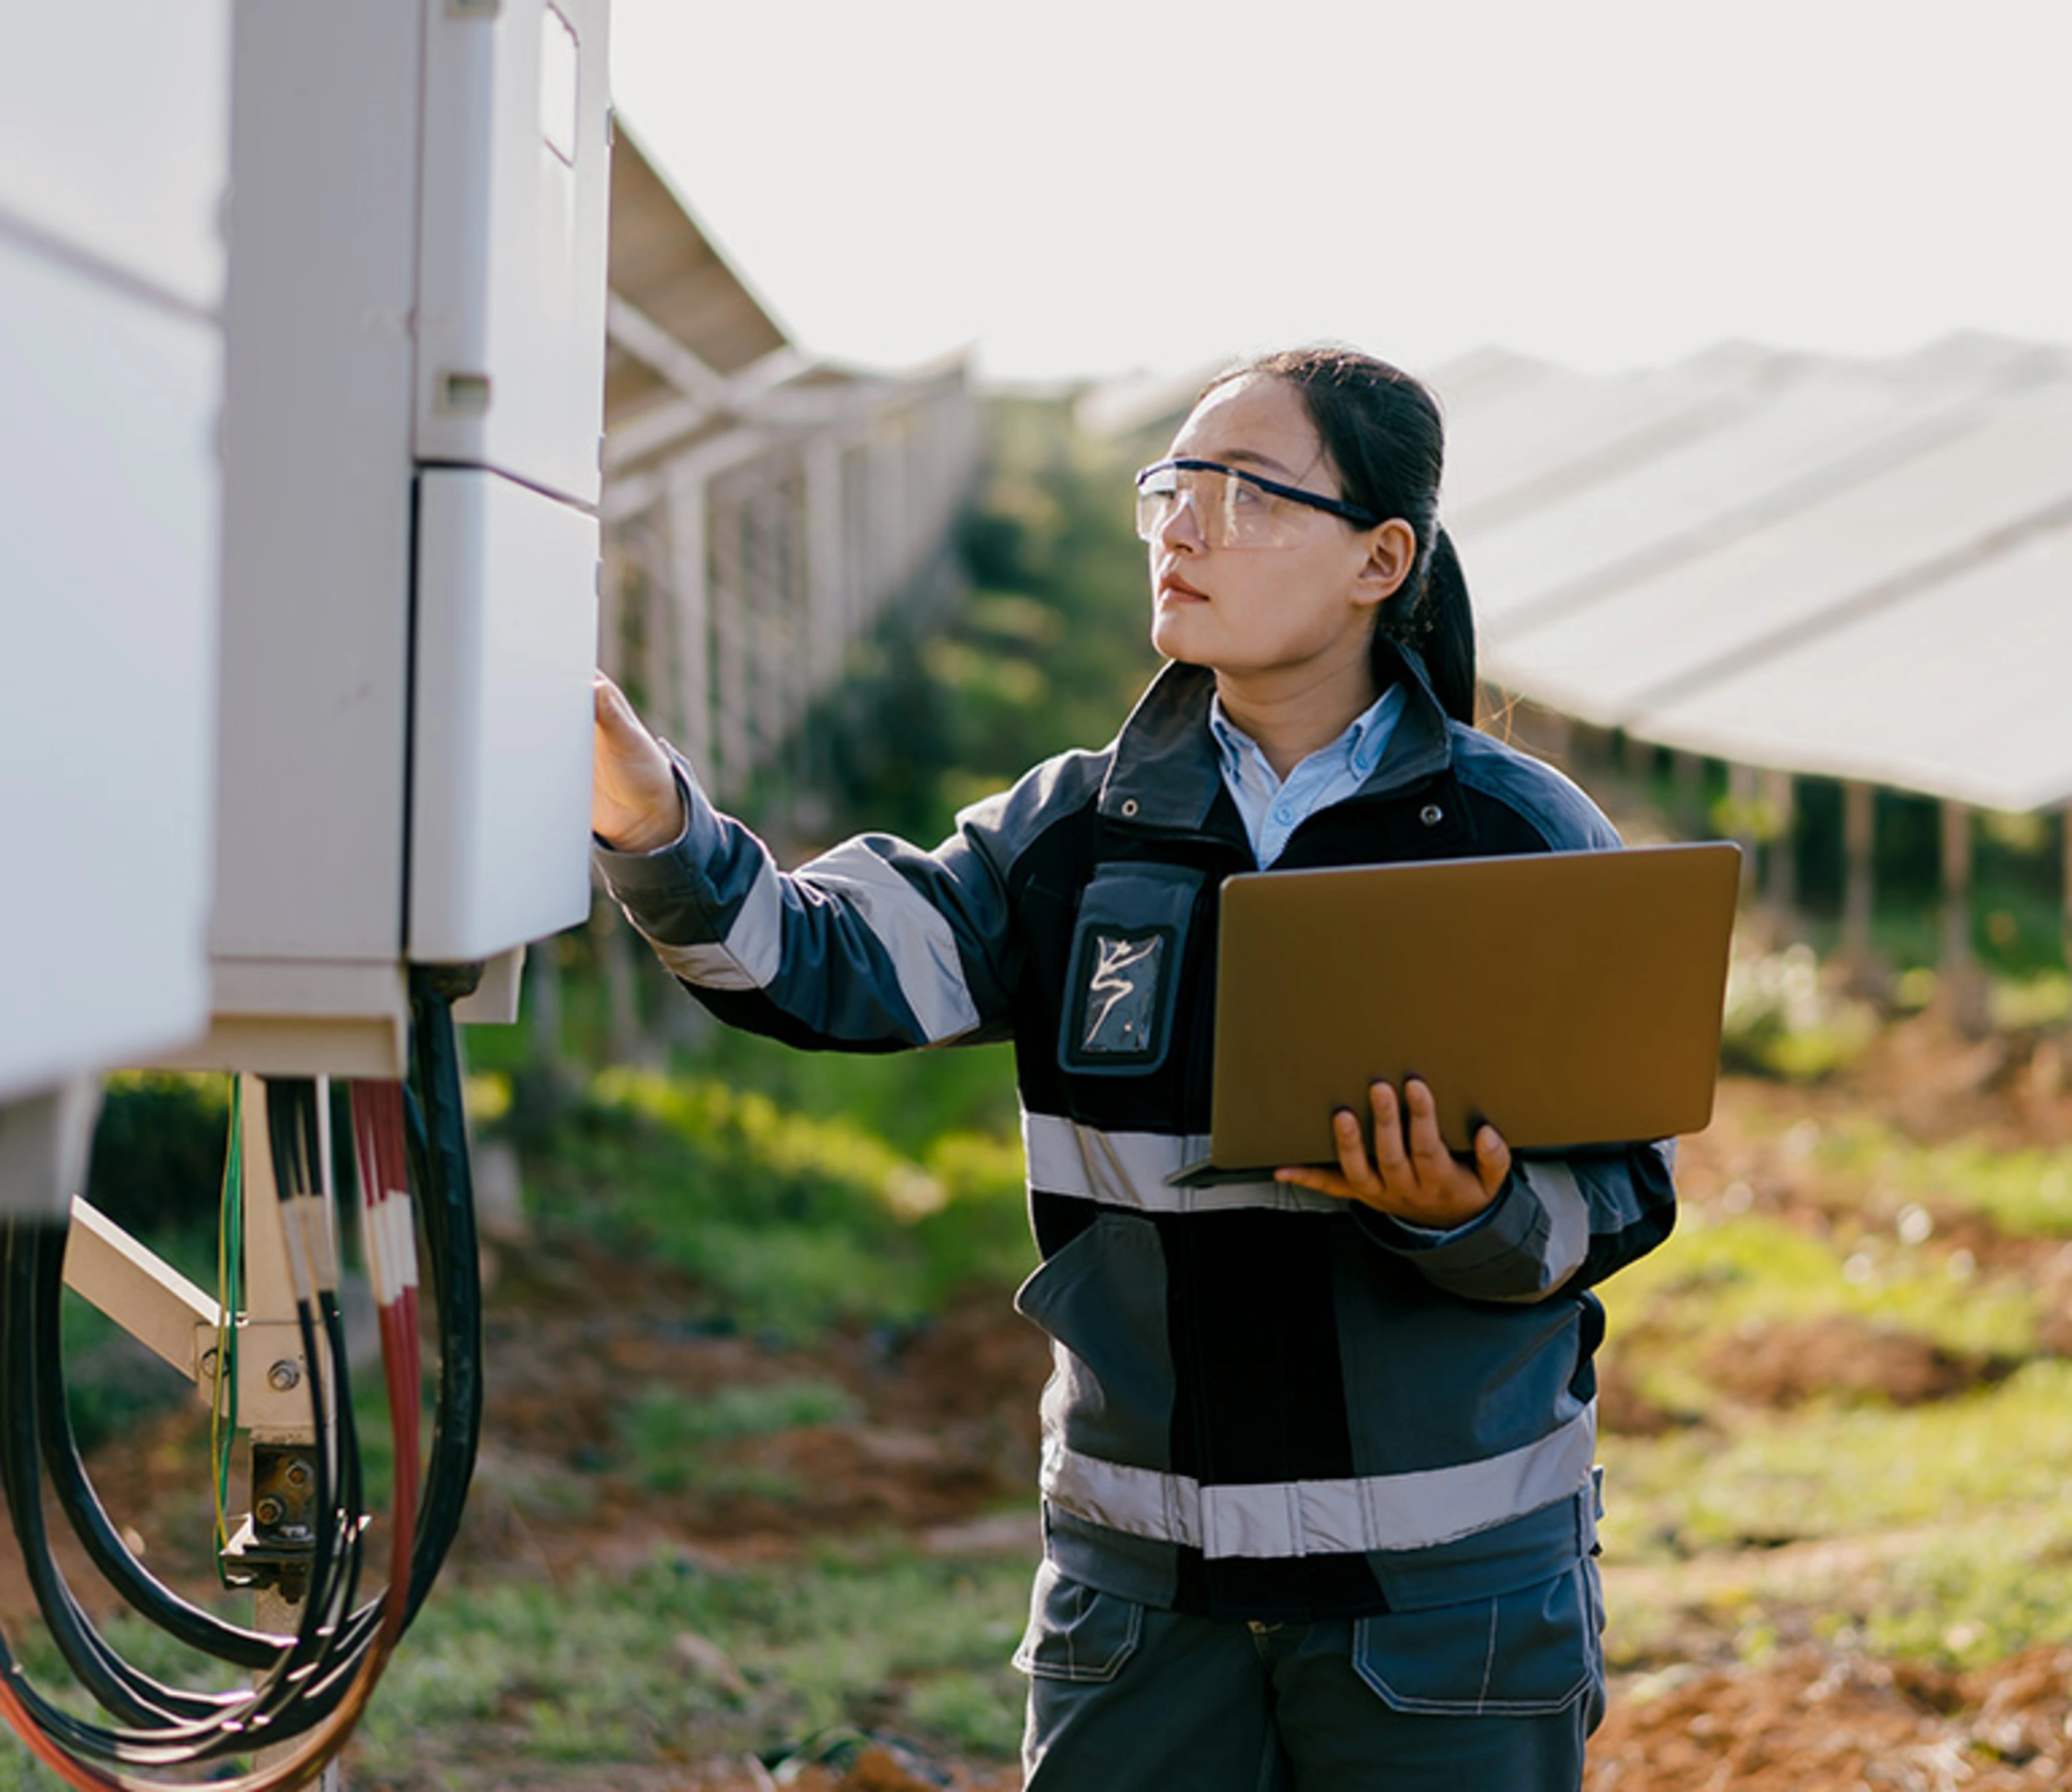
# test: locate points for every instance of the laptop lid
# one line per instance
(1566, 998)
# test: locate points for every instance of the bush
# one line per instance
(158, 1152)
(789, 1220)
(1783, 1019)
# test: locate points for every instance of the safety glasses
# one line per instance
(1232, 507)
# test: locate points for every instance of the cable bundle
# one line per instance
(310, 1688)
(388, 1241)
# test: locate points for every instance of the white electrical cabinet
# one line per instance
(500, 831)
(414, 390)
(113, 156)
(114, 124)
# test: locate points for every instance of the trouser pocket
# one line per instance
(1523, 1653)
(1076, 1633)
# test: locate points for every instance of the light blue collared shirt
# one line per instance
(1272, 810)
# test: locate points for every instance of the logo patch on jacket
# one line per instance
(1128, 947)
(1121, 1004)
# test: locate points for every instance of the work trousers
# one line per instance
(1494, 1696)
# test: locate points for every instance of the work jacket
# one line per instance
(1266, 1403)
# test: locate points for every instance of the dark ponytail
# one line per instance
(1441, 627)
(1384, 435)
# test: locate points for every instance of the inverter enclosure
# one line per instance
(492, 671)
(516, 202)
(114, 129)
(415, 324)
(112, 172)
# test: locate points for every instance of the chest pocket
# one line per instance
(1128, 947)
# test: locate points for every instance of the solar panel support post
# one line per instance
(1744, 782)
(1962, 989)
(2064, 885)
(1781, 873)
(1688, 774)
(1859, 862)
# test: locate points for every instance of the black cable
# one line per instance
(436, 1134)
(36, 1282)
(167, 1726)
(188, 1623)
(77, 1640)
(305, 1682)
(16, 1457)
(436, 1143)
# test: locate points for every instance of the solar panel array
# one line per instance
(1861, 568)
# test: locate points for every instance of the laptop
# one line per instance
(1567, 998)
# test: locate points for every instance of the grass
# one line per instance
(115, 1383)
(1723, 1277)
(678, 1662)
(1833, 1470)
(908, 1099)
(666, 1434)
(674, 1660)
(142, 1644)
(2024, 1193)
(1943, 1521)
(1973, 1596)
(791, 1222)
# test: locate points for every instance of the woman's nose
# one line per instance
(1182, 524)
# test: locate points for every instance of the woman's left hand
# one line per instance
(1411, 1174)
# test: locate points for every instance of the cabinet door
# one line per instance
(511, 308)
(500, 747)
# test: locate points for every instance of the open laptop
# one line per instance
(1567, 998)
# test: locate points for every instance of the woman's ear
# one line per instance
(1391, 552)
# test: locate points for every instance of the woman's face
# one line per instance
(1278, 617)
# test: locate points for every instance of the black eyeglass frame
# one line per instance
(1316, 501)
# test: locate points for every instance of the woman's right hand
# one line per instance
(634, 806)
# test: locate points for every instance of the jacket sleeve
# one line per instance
(872, 946)
(1557, 1223)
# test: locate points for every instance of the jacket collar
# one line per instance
(1163, 771)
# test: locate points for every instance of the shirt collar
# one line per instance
(1362, 743)
(1165, 772)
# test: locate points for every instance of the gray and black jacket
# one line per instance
(1266, 1403)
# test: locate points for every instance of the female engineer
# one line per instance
(1319, 1509)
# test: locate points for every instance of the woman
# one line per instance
(1318, 1503)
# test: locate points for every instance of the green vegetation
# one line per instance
(665, 1434)
(1857, 1378)
(1784, 1020)
(787, 1220)
(673, 1660)
(1838, 1469)
(158, 1158)
(1969, 1594)
(2017, 920)
(1047, 651)
(678, 1661)
(2024, 1193)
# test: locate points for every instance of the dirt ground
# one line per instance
(941, 1432)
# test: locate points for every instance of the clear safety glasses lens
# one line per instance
(1229, 510)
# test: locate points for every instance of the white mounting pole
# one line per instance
(272, 1367)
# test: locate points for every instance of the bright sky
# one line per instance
(1099, 186)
